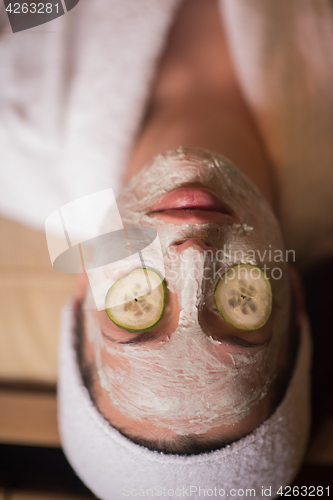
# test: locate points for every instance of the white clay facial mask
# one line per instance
(187, 383)
(190, 381)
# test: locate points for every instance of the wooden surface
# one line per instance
(28, 418)
(36, 495)
(32, 295)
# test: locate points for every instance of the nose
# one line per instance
(183, 245)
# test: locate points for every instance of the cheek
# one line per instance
(110, 359)
(248, 373)
(132, 370)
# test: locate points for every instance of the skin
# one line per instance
(195, 102)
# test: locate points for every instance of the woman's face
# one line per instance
(193, 373)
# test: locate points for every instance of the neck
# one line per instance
(196, 101)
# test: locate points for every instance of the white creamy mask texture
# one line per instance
(189, 382)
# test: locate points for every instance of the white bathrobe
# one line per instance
(73, 93)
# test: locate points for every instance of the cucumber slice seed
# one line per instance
(137, 301)
(244, 297)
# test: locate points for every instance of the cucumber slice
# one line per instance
(137, 301)
(243, 297)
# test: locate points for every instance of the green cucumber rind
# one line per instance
(163, 309)
(271, 297)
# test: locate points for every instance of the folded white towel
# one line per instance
(113, 467)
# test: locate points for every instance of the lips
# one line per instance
(193, 205)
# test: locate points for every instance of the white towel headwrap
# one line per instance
(114, 467)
